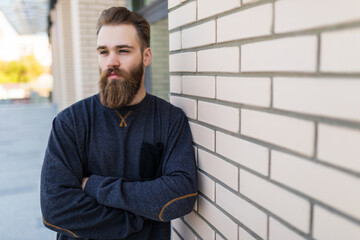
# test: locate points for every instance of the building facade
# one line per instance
(271, 89)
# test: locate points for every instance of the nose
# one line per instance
(113, 61)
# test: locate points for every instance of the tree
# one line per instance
(21, 71)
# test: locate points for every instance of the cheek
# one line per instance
(102, 63)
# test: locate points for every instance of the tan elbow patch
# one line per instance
(49, 224)
(174, 200)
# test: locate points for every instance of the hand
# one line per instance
(84, 183)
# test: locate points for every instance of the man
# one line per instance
(120, 164)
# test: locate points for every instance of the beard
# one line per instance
(117, 93)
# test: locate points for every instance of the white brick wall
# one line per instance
(284, 204)
(280, 232)
(218, 219)
(175, 84)
(296, 54)
(251, 91)
(247, 154)
(219, 115)
(288, 132)
(203, 136)
(259, 17)
(203, 34)
(200, 226)
(338, 98)
(339, 146)
(329, 226)
(208, 8)
(182, 15)
(289, 170)
(201, 86)
(340, 51)
(186, 232)
(218, 168)
(227, 200)
(188, 105)
(219, 60)
(175, 41)
(291, 15)
(185, 62)
(272, 92)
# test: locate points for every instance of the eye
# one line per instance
(103, 52)
(123, 51)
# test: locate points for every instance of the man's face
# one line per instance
(121, 65)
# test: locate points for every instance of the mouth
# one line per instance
(113, 76)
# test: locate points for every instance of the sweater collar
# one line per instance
(137, 106)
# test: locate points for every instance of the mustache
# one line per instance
(117, 71)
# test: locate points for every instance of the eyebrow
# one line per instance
(117, 46)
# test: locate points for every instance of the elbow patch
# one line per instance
(173, 201)
(59, 228)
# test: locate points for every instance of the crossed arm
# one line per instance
(108, 207)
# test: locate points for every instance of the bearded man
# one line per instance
(119, 164)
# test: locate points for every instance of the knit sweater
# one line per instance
(140, 164)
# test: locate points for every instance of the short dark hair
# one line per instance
(121, 15)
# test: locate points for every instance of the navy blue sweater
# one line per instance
(140, 164)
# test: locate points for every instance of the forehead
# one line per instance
(114, 35)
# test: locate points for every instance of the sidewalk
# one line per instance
(24, 130)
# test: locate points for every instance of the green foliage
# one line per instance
(22, 71)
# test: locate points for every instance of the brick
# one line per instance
(206, 186)
(288, 132)
(183, 15)
(200, 35)
(296, 15)
(252, 91)
(280, 55)
(259, 17)
(207, 8)
(218, 237)
(186, 104)
(219, 60)
(175, 84)
(288, 206)
(328, 226)
(182, 62)
(243, 152)
(244, 235)
(249, 1)
(219, 115)
(203, 136)
(338, 98)
(184, 230)
(303, 175)
(175, 41)
(173, 3)
(227, 200)
(200, 226)
(222, 222)
(174, 235)
(340, 51)
(219, 168)
(201, 86)
(339, 146)
(278, 231)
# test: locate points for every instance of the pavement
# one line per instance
(24, 131)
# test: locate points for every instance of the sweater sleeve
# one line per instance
(65, 207)
(165, 198)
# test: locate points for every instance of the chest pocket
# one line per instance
(151, 161)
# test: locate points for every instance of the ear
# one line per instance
(147, 57)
